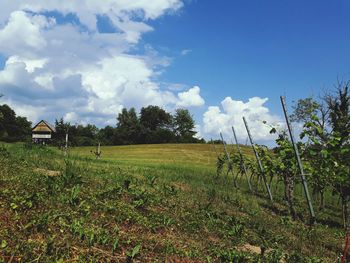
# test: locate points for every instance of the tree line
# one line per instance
(152, 125)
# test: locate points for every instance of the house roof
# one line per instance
(45, 123)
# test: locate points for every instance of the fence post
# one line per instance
(258, 160)
(300, 165)
(242, 160)
(66, 145)
(98, 151)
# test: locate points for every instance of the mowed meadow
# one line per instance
(149, 203)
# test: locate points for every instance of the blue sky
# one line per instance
(219, 59)
(257, 48)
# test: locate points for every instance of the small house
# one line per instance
(43, 132)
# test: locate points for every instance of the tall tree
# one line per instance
(155, 124)
(329, 147)
(61, 129)
(154, 117)
(128, 127)
(339, 145)
(184, 125)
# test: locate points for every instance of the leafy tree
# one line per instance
(339, 143)
(329, 147)
(155, 124)
(154, 117)
(184, 126)
(61, 129)
(128, 127)
(12, 127)
(80, 135)
(106, 135)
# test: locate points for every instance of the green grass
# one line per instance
(147, 203)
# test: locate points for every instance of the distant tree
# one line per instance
(61, 129)
(12, 127)
(24, 128)
(184, 126)
(153, 117)
(155, 125)
(128, 127)
(80, 135)
(106, 135)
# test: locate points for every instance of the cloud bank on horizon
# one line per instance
(217, 120)
(60, 63)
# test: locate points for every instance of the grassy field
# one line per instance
(147, 203)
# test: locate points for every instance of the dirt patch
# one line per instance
(255, 249)
(182, 186)
(47, 172)
(249, 248)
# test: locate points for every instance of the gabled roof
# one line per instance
(50, 126)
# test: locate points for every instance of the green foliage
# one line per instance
(133, 253)
(184, 126)
(154, 117)
(328, 150)
(13, 128)
(176, 211)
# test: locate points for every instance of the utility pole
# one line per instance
(300, 165)
(242, 160)
(258, 160)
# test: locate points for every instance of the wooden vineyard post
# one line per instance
(228, 159)
(300, 165)
(258, 160)
(242, 160)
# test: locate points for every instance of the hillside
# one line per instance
(147, 203)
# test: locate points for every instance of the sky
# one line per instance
(85, 60)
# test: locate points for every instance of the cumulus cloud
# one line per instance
(190, 98)
(217, 119)
(67, 67)
(23, 31)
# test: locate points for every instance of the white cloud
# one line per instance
(30, 64)
(71, 69)
(217, 120)
(184, 52)
(23, 31)
(71, 117)
(190, 98)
